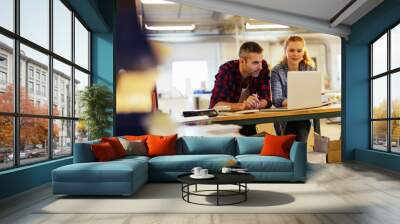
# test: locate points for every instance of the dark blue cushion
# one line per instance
(197, 145)
(249, 145)
(83, 153)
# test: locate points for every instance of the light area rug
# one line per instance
(167, 198)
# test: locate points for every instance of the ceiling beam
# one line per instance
(346, 12)
(270, 15)
(89, 11)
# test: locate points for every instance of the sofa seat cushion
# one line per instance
(133, 157)
(185, 163)
(112, 171)
(257, 163)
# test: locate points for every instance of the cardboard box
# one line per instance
(320, 143)
(332, 148)
(334, 154)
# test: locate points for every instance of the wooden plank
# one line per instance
(267, 117)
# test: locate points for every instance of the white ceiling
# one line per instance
(179, 13)
(320, 9)
(312, 15)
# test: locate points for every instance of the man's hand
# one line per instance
(252, 102)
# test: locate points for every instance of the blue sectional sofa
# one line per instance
(125, 176)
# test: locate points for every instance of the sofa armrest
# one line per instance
(83, 153)
(298, 155)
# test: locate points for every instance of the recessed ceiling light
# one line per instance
(167, 28)
(156, 2)
(265, 26)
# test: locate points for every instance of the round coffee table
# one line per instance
(238, 179)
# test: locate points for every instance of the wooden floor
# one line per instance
(377, 188)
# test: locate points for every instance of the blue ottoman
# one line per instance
(119, 177)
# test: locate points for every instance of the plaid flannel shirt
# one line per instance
(228, 84)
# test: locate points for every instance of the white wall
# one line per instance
(172, 101)
(229, 50)
(185, 52)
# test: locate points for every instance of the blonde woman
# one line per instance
(295, 58)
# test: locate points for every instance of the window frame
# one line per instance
(388, 74)
(5, 58)
(3, 74)
(3, 69)
(16, 114)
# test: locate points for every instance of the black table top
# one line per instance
(220, 178)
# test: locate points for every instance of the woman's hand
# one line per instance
(284, 103)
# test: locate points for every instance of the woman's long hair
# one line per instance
(306, 58)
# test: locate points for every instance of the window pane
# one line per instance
(34, 97)
(62, 29)
(81, 131)
(379, 135)
(35, 21)
(395, 129)
(189, 75)
(7, 14)
(81, 81)
(6, 142)
(62, 138)
(395, 95)
(81, 45)
(62, 89)
(395, 47)
(6, 74)
(379, 55)
(379, 97)
(33, 139)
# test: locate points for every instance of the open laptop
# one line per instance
(304, 91)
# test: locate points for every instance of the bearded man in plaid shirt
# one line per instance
(243, 84)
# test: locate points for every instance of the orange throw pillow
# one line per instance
(277, 145)
(161, 145)
(116, 145)
(103, 152)
(135, 138)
